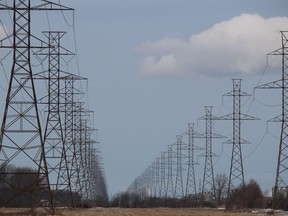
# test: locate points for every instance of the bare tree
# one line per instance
(254, 195)
(221, 187)
(248, 196)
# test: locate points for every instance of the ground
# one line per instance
(140, 212)
(162, 212)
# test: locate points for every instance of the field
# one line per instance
(138, 212)
(159, 212)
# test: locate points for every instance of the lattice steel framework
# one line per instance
(72, 140)
(151, 183)
(170, 188)
(191, 188)
(143, 184)
(208, 185)
(21, 136)
(163, 187)
(179, 189)
(84, 145)
(54, 137)
(94, 179)
(78, 142)
(98, 186)
(153, 180)
(281, 181)
(236, 174)
(87, 156)
(142, 179)
(157, 176)
(147, 182)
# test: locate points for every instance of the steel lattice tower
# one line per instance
(163, 188)
(54, 137)
(191, 181)
(98, 176)
(72, 142)
(170, 188)
(208, 186)
(281, 181)
(158, 193)
(236, 175)
(83, 142)
(87, 156)
(179, 190)
(153, 180)
(21, 135)
(78, 142)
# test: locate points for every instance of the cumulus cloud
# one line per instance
(237, 46)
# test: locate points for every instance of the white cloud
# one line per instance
(165, 64)
(237, 46)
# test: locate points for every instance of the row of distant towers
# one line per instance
(236, 176)
(152, 180)
(66, 166)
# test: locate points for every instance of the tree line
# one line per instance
(24, 187)
(248, 196)
(22, 178)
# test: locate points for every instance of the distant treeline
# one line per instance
(249, 196)
(18, 186)
(24, 187)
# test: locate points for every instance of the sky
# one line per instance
(153, 65)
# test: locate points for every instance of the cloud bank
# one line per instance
(234, 47)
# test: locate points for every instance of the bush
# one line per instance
(247, 196)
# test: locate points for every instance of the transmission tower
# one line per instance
(98, 176)
(94, 182)
(208, 186)
(170, 188)
(86, 157)
(158, 193)
(151, 183)
(281, 183)
(153, 180)
(236, 176)
(191, 181)
(21, 136)
(143, 184)
(179, 190)
(54, 138)
(82, 137)
(163, 188)
(72, 137)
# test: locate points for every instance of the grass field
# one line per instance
(137, 212)
(158, 212)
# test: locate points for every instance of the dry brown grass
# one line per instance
(134, 212)
(22, 211)
(155, 212)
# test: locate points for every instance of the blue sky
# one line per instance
(153, 65)
(138, 114)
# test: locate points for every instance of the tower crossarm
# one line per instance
(214, 135)
(279, 118)
(44, 5)
(240, 141)
(237, 93)
(241, 117)
(276, 84)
